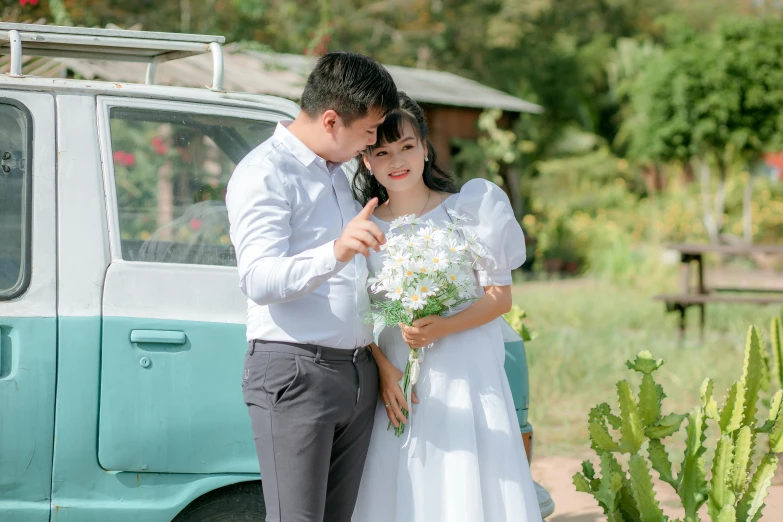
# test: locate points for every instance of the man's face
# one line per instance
(350, 140)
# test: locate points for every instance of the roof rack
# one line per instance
(151, 48)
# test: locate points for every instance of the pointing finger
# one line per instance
(368, 209)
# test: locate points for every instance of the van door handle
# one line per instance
(158, 337)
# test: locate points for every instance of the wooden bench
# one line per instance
(681, 302)
(698, 295)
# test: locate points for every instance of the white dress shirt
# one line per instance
(287, 206)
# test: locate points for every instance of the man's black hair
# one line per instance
(353, 85)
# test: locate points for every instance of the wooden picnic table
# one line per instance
(696, 293)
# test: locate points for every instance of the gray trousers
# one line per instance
(312, 411)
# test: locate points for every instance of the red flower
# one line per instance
(124, 158)
(195, 224)
(157, 144)
(31, 2)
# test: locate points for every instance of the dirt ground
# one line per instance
(554, 473)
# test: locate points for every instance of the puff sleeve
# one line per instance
(491, 219)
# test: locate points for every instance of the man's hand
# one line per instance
(360, 235)
(391, 394)
(424, 331)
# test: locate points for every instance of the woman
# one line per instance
(465, 461)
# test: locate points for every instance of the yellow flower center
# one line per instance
(453, 277)
(436, 260)
(409, 273)
(424, 289)
(423, 270)
(415, 298)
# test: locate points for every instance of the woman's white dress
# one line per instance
(465, 461)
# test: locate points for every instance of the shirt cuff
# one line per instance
(495, 277)
(325, 259)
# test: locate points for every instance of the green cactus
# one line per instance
(742, 455)
(752, 375)
(735, 492)
(752, 501)
(693, 476)
(776, 336)
(776, 435)
(721, 494)
(631, 429)
(731, 414)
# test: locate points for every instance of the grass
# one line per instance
(587, 329)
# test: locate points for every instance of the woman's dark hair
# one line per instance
(365, 186)
(350, 84)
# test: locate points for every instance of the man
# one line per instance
(310, 382)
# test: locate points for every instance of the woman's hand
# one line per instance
(392, 395)
(425, 331)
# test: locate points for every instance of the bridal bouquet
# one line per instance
(425, 272)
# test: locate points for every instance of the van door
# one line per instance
(173, 314)
(28, 323)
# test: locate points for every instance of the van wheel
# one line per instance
(243, 502)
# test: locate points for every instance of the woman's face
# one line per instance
(399, 165)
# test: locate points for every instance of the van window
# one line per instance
(15, 161)
(171, 170)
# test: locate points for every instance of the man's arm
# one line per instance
(259, 212)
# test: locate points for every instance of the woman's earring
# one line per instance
(426, 158)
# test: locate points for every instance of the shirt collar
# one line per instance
(300, 151)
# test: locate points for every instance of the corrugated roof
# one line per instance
(279, 75)
(424, 86)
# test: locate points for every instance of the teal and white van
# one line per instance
(121, 319)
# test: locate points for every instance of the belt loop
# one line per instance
(318, 355)
(252, 347)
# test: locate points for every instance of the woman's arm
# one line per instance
(390, 390)
(495, 302)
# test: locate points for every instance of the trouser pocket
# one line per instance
(281, 374)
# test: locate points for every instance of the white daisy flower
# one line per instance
(409, 271)
(457, 216)
(398, 259)
(396, 291)
(439, 260)
(394, 241)
(423, 268)
(456, 245)
(414, 242)
(409, 219)
(436, 228)
(454, 275)
(426, 287)
(414, 301)
(427, 234)
(476, 245)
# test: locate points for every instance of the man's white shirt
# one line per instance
(287, 206)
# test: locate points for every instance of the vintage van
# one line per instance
(121, 319)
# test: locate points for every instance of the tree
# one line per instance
(714, 98)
